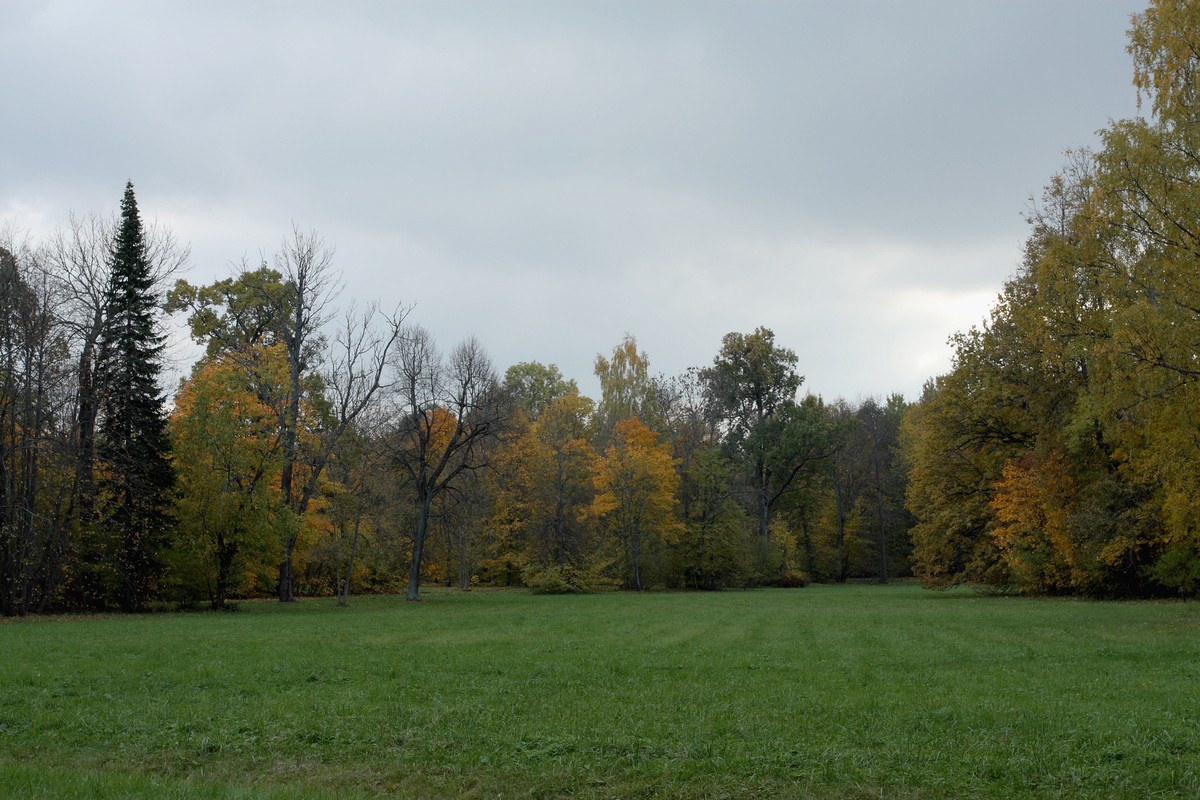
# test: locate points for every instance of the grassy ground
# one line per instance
(855, 691)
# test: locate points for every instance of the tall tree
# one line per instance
(753, 383)
(626, 389)
(881, 426)
(543, 484)
(712, 552)
(449, 410)
(78, 263)
(534, 386)
(692, 423)
(848, 473)
(133, 435)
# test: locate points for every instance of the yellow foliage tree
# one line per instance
(227, 459)
(1033, 503)
(636, 496)
(543, 486)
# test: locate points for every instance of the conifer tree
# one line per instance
(136, 475)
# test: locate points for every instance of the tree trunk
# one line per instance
(414, 570)
(464, 563)
(636, 542)
(560, 532)
(344, 593)
(226, 551)
(291, 422)
(286, 594)
(839, 574)
(762, 490)
(883, 554)
(764, 514)
(809, 556)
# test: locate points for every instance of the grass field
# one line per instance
(853, 691)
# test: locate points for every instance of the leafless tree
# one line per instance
(448, 409)
(35, 386)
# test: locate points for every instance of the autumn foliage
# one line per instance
(1060, 453)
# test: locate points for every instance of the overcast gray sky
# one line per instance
(550, 175)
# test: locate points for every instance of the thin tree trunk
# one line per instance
(464, 571)
(414, 570)
(286, 591)
(809, 556)
(764, 514)
(840, 541)
(86, 427)
(637, 558)
(286, 594)
(883, 553)
(344, 598)
(290, 424)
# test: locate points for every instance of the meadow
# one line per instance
(847, 691)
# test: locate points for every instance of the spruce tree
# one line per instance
(136, 476)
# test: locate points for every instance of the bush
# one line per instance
(790, 579)
(553, 579)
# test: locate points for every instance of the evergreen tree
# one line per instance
(136, 475)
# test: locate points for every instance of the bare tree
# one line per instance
(352, 376)
(448, 409)
(311, 285)
(34, 381)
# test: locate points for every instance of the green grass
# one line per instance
(855, 691)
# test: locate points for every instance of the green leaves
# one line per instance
(235, 313)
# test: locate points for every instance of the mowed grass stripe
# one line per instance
(826, 692)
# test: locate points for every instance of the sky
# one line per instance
(549, 176)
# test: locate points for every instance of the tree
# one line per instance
(636, 500)
(753, 383)
(881, 426)
(227, 458)
(712, 548)
(543, 485)
(1076, 404)
(688, 417)
(534, 386)
(35, 473)
(290, 305)
(626, 388)
(78, 266)
(449, 410)
(1142, 217)
(134, 445)
(1023, 406)
(848, 471)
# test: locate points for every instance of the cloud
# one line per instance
(550, 175)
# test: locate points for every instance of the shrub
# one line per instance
(790, 579)
(553, 579)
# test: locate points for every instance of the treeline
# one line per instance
(1060, 455)
(318, 450)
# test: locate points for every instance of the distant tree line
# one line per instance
(311, 450)
(326, 449)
